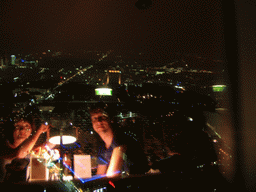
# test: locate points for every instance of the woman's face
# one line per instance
(22, 131)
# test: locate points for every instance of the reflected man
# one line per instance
(118, 153)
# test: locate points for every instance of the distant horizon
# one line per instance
(165, 28)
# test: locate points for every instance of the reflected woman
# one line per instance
(18, 140)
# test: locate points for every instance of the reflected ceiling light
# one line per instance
(143, 4)
(218, 88)
(103, 91)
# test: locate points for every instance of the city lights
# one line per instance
(126, 96)
(177, 79)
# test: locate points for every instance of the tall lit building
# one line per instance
(114, 77)
(13, 57)
(2, 61)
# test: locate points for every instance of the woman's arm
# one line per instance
(116, 161)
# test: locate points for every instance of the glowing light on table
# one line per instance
(66, 139)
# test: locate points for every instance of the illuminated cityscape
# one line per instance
(186, 70)
(46, 79)
(121, 96)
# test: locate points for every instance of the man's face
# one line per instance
(22, 130)
(100, 122)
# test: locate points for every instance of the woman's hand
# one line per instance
(43, 128)
(43, 148)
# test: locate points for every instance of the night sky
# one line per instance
(167, 27)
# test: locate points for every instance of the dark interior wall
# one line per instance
(240, 40)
